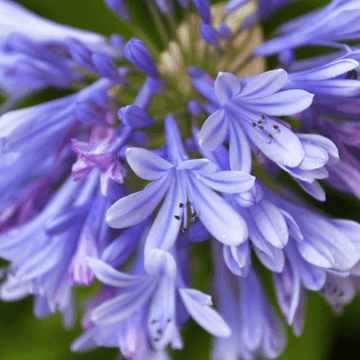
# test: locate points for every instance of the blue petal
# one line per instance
(270, 222)
(237, 258)
(239, 149)
(214, 131)
(146, 164)
(275, 263)
(160, 263)
(222, 221)
(204, 166)
(166, 227)
(264, 84)
(124, 305)
(136, 207)
(287, 102)
(205, 316)
(108, 275)
(231, 182)
(226, 86)
(313, 188)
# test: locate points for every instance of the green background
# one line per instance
(22, 337)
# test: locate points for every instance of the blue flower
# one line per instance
(244, 117)
(186, 185)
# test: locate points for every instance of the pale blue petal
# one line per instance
(287, 102)
(314, 189)
(213, 131)
(204, 88)
(146, 164)
(327, 71)
(199, 165)
(160, 263)
(275, 263)
(222, 221)
(237, 258)
(239, 149)
(315, 157)
(205, 316)
(108, 275)
(285, 148)
(287, 286)
(226, 86)
(166, 227)
(124, 305)
(264, 84)
(231, 182)
(136, 207)
(270, 222)
(349, 228)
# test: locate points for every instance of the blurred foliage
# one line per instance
(23, 337)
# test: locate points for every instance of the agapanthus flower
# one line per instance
(172, 136)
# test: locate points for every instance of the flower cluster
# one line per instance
(163, 144)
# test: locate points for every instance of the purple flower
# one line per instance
(186, 186)
(243, 115)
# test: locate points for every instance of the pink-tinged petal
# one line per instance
(226, 86)
(231, 182)
(109, 276)
(264, 84)
(203, 314)
(136, 207)
(287, 102)
(222, 221)
(146, 164)
(213, 131)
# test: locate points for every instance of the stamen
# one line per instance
(177, 217)
(168, 321)
(181, 205)
(254, 124)
(259, 121)
(261, 127)
(153, 322)
(270, 136)
(159, 332)
(263, 116)
(276, 127)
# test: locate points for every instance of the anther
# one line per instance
(153, 322)
(156, 339)
(259, 121)
(194, 214)
(188, 203)
(270, 136)
(159, 332)
(177, 217)
(276, 127)
(168, 321)
(254, 124)
(261, 127)
(181, 205)
(263, 116)
(341, 294)
(183, 229)
(355, 74)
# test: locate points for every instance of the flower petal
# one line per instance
(213, 131)
(146, 164)
(136, 207)
(108, 275)
(160, 263)
(231, 182)
(205, 316)
(198, 165)
(222, 221)
(226, 86)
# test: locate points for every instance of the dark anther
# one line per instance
(156, 339)
(177, 217)
(352, 74)
(341, 294)
(334, 290)
(261, 127)
(328, 286)
(183, 229)
(263, 116)
(259, 121)
(168, 321)
(348, 75)
(159, 332)
(254, 124)
(181, 205)
(188, 203)
(355, 74)
(276, 127)
(270, 136)
(194, 214)
(153, 322)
